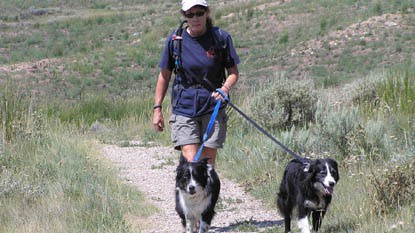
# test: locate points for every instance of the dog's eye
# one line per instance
(186, 175)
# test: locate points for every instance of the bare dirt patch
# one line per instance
(357, 35)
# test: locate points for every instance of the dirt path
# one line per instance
(152, 171)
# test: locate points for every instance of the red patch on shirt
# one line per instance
(210, 53)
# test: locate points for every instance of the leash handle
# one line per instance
(208, 129)
(225, 97)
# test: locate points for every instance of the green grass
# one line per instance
(398, 91)
(51, 179)
(56, 183)
(89, 74)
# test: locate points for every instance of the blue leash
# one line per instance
(209, 128)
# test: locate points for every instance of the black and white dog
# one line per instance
(309, 189)
(197, 191)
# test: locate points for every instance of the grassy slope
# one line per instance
(90, 47)
(78, 48)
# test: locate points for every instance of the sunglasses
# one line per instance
(191, 15)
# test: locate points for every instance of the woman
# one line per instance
(206, 52)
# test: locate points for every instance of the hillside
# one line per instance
(111, 46)
(78, 76)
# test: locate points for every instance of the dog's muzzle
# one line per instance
(192, 189)
(327, 190)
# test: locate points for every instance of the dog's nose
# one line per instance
(191, 188)
(332, 183)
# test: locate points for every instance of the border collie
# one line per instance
(308, 188)
(197, 191)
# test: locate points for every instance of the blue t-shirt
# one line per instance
(203, 58)
(199, 58)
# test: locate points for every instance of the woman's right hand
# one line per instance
(158, 120)
(161, 89)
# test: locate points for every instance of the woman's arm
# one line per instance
(161, 90)
(233, 76)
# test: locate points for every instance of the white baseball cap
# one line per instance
(187, 4)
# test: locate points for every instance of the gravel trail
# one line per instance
(152, 171)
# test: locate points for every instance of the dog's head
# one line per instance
(324, 175)
(192, 177)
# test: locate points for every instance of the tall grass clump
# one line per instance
(393, 188)
(393, 93)
(19, 115)
(251, 160)
(112, 119)
(94, 108)
(392, 98)
(398, 90)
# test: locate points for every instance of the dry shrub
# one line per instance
(284, 103)
(393, 188)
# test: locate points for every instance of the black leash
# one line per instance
(285, 148)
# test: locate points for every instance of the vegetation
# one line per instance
(77, 73)
(284, 104)
(52, 182)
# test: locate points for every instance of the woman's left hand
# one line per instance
(218, 95)
(233, 75)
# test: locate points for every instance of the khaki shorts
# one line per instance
(187, 130)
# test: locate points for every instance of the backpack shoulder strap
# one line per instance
(177, 47)
(218, 36)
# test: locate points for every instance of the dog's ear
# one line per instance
(182, 162)
(310, 166)
(204, 160)
(182, 159)
(179, 171)
(308, 171)
(334, 164)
